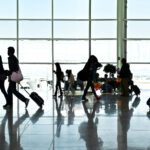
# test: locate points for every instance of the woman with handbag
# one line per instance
(3, 77)
(13, 64)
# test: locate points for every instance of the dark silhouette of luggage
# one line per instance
(35, 97)
(148, 102)
(136, 90)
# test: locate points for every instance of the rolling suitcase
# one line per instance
(35, 97)
(135, 89)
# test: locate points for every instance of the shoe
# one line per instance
(7, 106)
(60, 96)
(27, 102)
(84, 99)
(98, 97)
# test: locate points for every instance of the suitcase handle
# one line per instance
(24, 89)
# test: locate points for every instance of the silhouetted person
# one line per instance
(59, 78)
(2, 81)
(125, 75)
(71, 81)
(13, 64)
(90, 69)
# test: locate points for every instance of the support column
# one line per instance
(121, 30)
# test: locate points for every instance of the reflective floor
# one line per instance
(67, 123)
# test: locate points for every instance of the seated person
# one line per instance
(106, 86)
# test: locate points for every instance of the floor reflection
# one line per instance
(88, 130)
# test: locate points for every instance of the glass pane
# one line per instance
(36, 71)
(138, 9)
(7, 29)
(104, 9)
(141, 74)
(106, 51)
(72, 9)
(104, 29)
(35, 29)
(71, 51)
(4, 44)
(71, 29)
(8, 9)
(138, 29)
(35, 9)
(35, 51)
(138, 51)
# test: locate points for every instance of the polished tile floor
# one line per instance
(113, 123)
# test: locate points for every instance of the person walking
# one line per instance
(3, 77)
(13, 64)
(59, 78)
(90, 72)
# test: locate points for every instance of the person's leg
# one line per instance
(126, 87)
(56, 88)
(2, 87)
(122, 86)
(93, 90)
(18, 94)
(85, 90)
(9, 91)
(59, 85)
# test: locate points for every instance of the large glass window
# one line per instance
(104, 9)
(71, 9)
(138, 51)
(7, 29)
(104, 29)
(7, 9)
(35, 9)
(71, 29)
(35, 51)
(71, 51)
(36, 71)
(138, 9)
(35, 29)
(106, 51)
(139, 29)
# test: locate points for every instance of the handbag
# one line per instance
(16, 76)
(3, 77)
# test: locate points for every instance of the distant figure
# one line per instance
(106, 86)
(2, 81)
(71, 81)
(59, 78)
(13, 64)
(125, 75)
(90, 69)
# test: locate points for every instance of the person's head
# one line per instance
(92, 59)
(68, 72)
(123, 61)
(57, 66)
(105, 76)
(11, 51)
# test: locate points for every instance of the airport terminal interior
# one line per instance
(44, 32)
